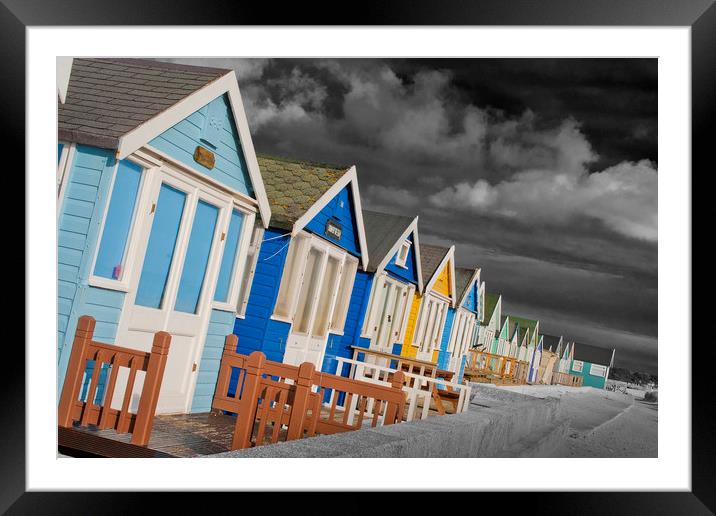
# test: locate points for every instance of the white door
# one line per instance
(388, 313)
(432, 322)
(173, 279)
(319, 286)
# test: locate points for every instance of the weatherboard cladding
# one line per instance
(107, 98)
(79, 223)
(212, 127)
(407, 273)
(257, 331)
(462, 283)
(339, 345)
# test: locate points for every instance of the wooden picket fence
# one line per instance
(487, 367)
(570, 380)
(275, 401)
(74, 408)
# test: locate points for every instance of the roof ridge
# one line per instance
(298, 161)
(151, 63)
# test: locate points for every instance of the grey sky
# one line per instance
(541, 171)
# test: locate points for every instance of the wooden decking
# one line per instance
(180, 435)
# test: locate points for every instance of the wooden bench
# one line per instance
(84, 410)
(275, 401)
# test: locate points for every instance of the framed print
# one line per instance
(429, 250)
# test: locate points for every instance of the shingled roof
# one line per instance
(592, 354)
(462, 280)
(107, 98)
(382, 231)
(293, 186)
(430, 258)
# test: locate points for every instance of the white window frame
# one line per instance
(578, 366)
(401, 261)
(337, 322)
(599, 367)
(247, 229)
(303, 242)
(251, 262)
(430, 304)
(149, 172)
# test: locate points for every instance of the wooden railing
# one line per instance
(494, 368)
(86, 411)
(405, 364)
(567, 379)
(417, 387)
(275, 401)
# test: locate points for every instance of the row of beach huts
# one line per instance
(168, 221)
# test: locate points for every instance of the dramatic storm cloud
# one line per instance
(543, 172)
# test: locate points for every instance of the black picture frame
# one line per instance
(700, 15)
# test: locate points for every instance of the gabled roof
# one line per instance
(490, 304)
(294, 186)
(385, 233)
(592, 354)
(107, 98)
(550, 341)
(123, 104)
(464, 279)
(526, 325)
(433, 259)
(297, 190)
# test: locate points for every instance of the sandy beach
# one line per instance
(602, 423)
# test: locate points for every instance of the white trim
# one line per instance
(130, 249)
(160, 158)
(63, 72)
(247, 229)
(475, 276)
(147, 131)
(350, 177)
(412, 228)
(64, 167)
(449, 256)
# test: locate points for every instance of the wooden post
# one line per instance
(297, 422)
(75, 370)
(152, 386)
(394, 411)
(222, 383)
(249, 400)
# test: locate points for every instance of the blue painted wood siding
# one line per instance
(79, 222)
(470, 302)
(340, 209)
(257, 331)
(213, 128)
(408, 274)
(339, 345)
(588, 380)
(221, 324)
(444, 354)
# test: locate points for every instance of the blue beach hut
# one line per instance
(158, 191)
(303, 276)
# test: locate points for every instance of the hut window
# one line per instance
(578, 365)
(118, 221)
(197, 258)
(228, 260)
(402, 257)
(247, 278)
(285, 302)
(344, 294)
